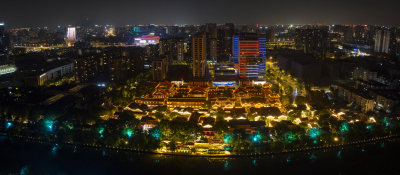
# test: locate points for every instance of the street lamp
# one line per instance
(336, 139)
(128, 132)
(8, 125)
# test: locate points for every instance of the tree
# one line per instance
(207, 104)
(173, 115)
(172, 145)
(163, 108)
(288, 90)
(251, 117)
(227, 93)
(294, 114)
(159, 115)
(285, 100)
(220, 115)
(275, 88)
(300, 100)
(165, 127)
(396, 109)
(323, 120)
(220, 127)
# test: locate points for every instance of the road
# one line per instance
(59, 96)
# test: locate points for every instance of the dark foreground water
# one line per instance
(19, 157)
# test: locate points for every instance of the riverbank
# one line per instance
(32, 158)
(296, 150)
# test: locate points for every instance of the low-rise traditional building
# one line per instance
(151, 102)
(194, 103)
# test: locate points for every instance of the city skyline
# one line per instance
(121, 12)
(199, 87)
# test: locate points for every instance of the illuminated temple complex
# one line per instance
(228, 97)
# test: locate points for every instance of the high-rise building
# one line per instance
(211, 29)
(348, 34)
(394, 44)
(229, 31)
(199, 55)
(163, 46)
(180, 50)
(5, 66)
(313, 41)
(71, 34)
(382, 39)
(235, 49)
(249, 53)
(221, 50)
(173, 47)
(3, 44)
(160, 69)
(212, 46)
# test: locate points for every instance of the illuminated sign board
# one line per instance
(224, 83)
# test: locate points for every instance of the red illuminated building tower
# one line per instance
(249, 55)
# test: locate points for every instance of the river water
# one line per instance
(20, 157)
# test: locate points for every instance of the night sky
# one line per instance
(19, 13)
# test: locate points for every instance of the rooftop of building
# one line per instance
(225, 78)
(36, 65)
(389, 94)
(186, 99)
(179, 72)
(356, 91)
(299, 57)
(372, 82)
(249, 36)
(233, 123)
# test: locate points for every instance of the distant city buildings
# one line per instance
(109, 31)
(174, 48)
(313, 41)
(224, 57)
(112, 64)
(145, 40)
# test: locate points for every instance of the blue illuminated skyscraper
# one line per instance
(262, 52)
(235, 49)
